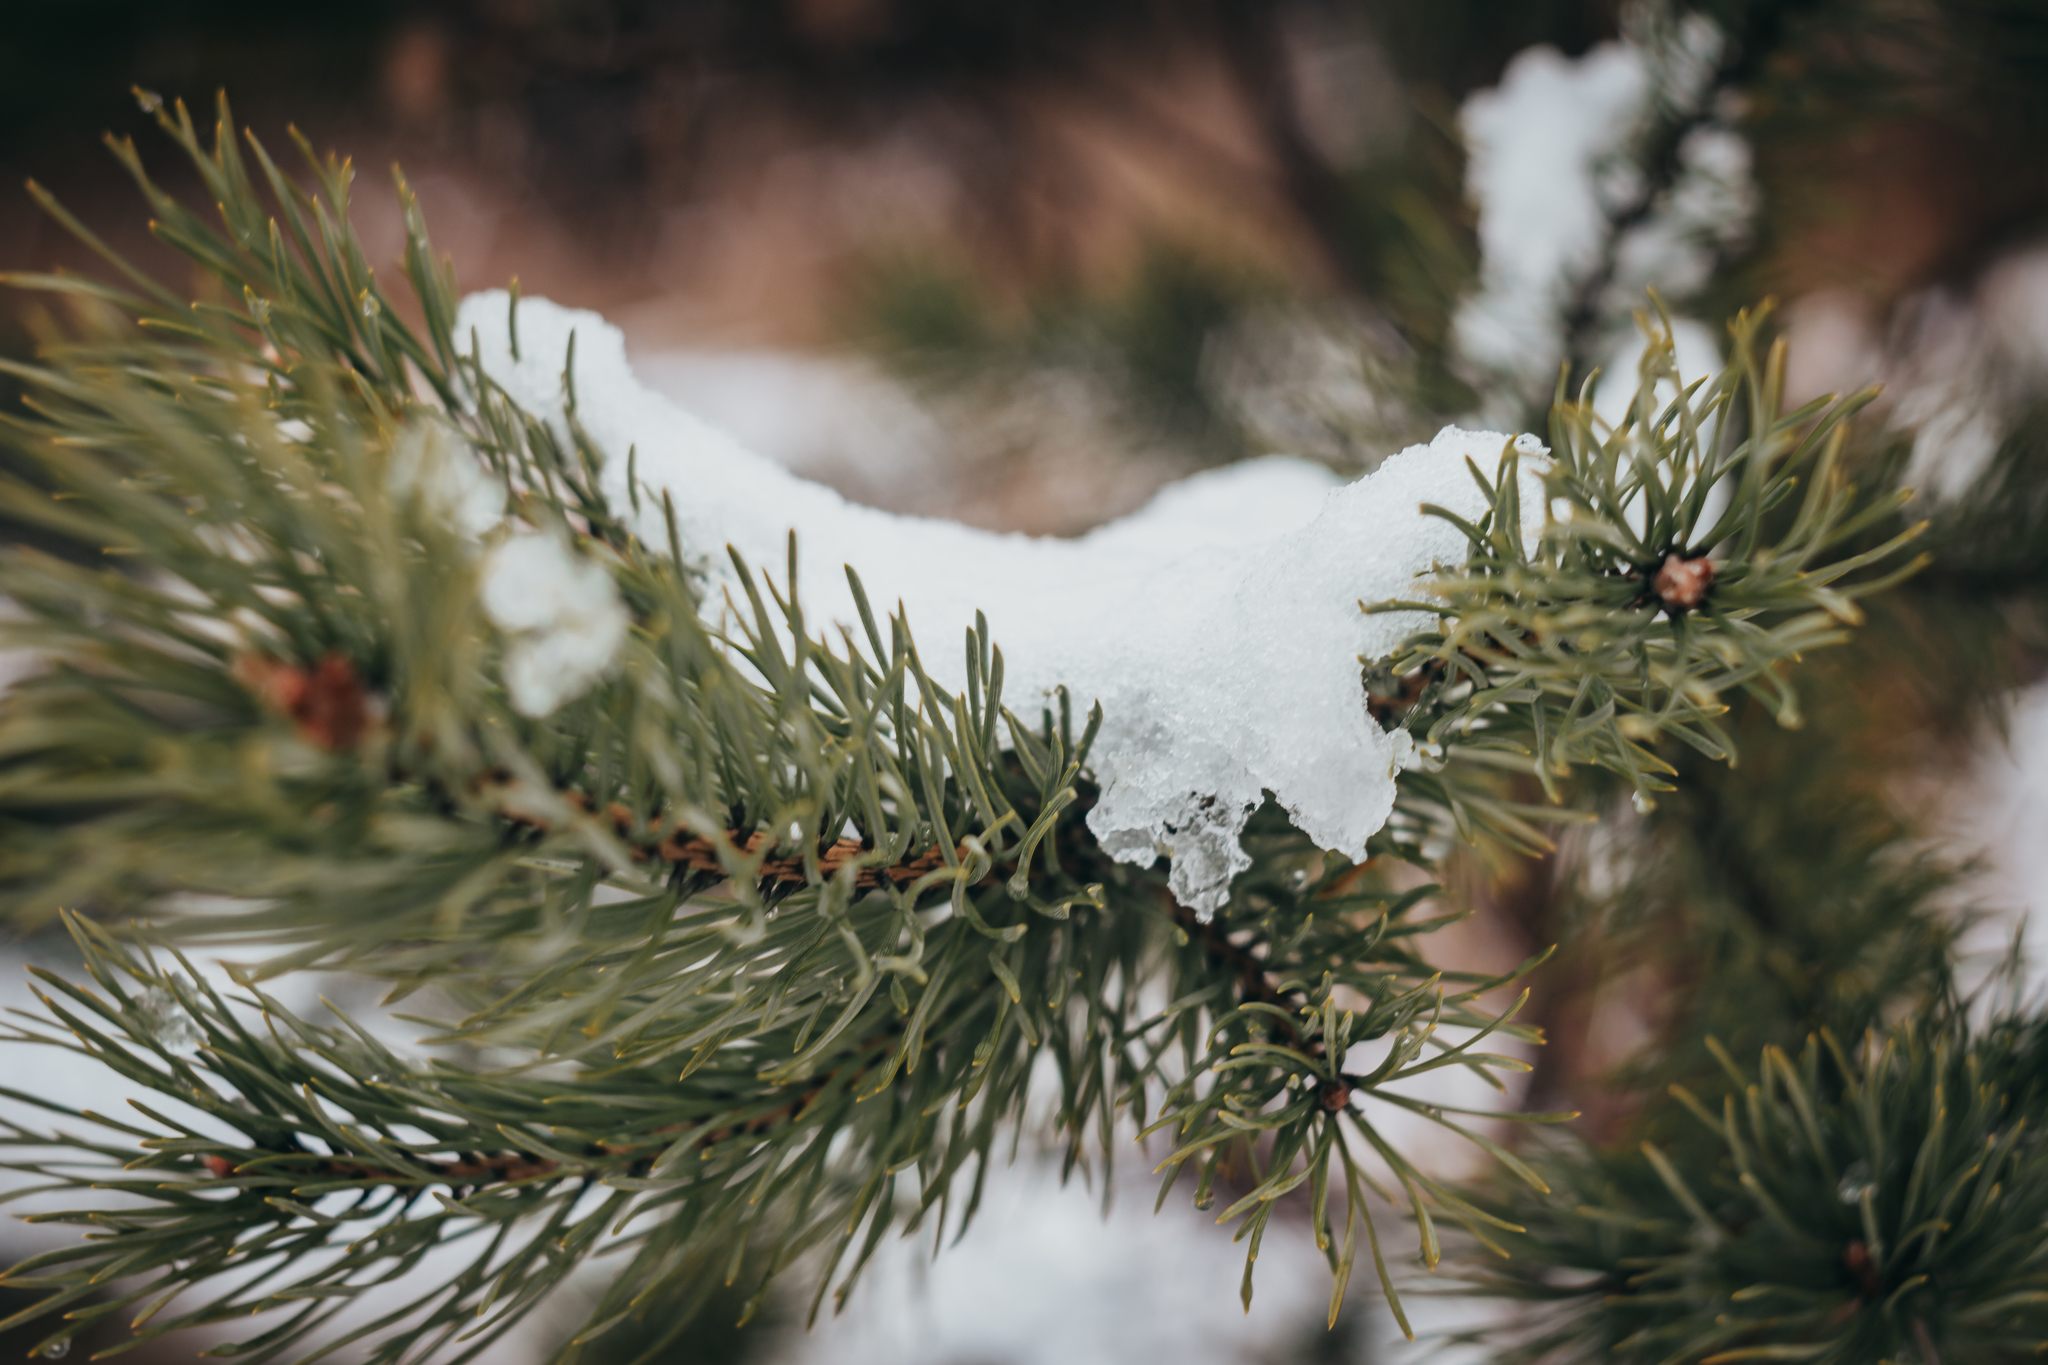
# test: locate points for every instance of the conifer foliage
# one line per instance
(1883, 1200)
(753, 950)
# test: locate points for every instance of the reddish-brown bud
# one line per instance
(1683, 582)
(326, 702)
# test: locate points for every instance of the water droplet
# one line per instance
(378, 1078)
(1641, 801)
(1297, 879)
(772, 914)
(165, 1020)
(56, 1350)
(1856, 1183)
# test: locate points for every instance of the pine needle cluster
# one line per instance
(1882, 1202)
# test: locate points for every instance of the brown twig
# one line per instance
(653, 839)
(473, 1170)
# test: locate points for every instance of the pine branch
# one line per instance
(759, 896)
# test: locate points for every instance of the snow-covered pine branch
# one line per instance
(1219, 626)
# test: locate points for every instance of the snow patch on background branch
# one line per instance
(1547, 158)
(1219, 626)
(1574, 226)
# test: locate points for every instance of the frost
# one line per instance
(1219, 626)
(563, 613)
(166, 1021)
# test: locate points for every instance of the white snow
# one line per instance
(1219, 626)
(1708, 210)
(1551, 166)
(1539, 147)
(563, 613)
(1041, 1279)
(1992, 806)
(429, 463)
(62, 1077)
(835, 419)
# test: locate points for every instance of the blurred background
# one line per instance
(1021, 262)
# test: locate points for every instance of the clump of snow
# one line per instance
(429, 462)
(1989, 803)
(1045, 1278)
(1219, 627)
(563, 613)
(167, 1021)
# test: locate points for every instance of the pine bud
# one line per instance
(1682, 582)
(327, 701)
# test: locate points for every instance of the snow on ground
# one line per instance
(63, 1077)
(834, 420)
(1219, 627)
(1041, 1279)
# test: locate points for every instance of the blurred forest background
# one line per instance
(1021, 263)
